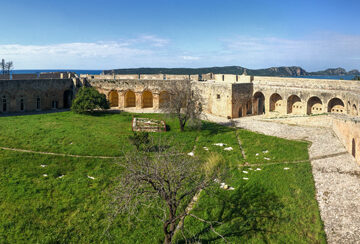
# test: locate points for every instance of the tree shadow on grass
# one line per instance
(245, 212)
(213, 129)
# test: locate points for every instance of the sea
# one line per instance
(97, 72)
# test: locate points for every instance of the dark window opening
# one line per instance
(38, 103)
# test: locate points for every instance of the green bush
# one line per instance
(140, 140)
(89, 99)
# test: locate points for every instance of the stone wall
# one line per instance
(37, 94)
(348, 131)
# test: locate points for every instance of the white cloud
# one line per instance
(190, 58)
(329, 50)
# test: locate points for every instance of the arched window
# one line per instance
(130, 99)
(275, 102)
(22, 108)
(4, 104)
(259, 103)
(114, 99)
(147, 99)
(38, 103)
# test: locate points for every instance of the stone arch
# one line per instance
(258, 103)
(114, 98)
(147, 99)
(353, 148)
(314, 106)
(164, 99)
(275, 102)
(130, 99)
(336, 105)
(68, 96)
(294, 105)
(354, 110)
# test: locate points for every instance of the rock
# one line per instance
(43, 166)
(286, 168)
(231, 188)
(245, 172)
(191, 154)
(90, 177)
(219, 144)
(245, 178)
(45, 175)
(228, 149)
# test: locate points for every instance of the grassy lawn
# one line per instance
(75, 208)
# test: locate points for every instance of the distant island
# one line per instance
(274, 71)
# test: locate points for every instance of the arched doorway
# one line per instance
(68, 96)
(336, 105)
(130, 100)
(294, 105)
(164, 99)
(354, 110)
(114, 99)
(258, 103)
(353, 148)
(314, 106)
(275, 102)
(147, 99)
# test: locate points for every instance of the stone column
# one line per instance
(121, 99)
(156, 100)
(138, 100)
(267, 104)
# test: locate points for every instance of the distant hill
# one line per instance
(273, 71)
(336, 71)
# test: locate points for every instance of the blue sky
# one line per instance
(94, 34)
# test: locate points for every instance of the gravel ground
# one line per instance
(336, 174)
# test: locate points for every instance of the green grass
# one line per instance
(75, 209)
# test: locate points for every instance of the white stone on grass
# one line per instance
(257, 154)
(90, 177)
(267, 158)
(219, 144)
(45, 175)
(191, 154)
(286, 168)
(245, 178)
(228, 149)
(257, 169)
(245, 172)
(231, 188)
(266, 151)
(61, 176)
(43, 166)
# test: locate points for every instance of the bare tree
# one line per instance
(3, 66)
(9, 67)
(6, 67)
(184, 103)
(164, 179)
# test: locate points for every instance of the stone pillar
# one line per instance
(121, 99)
(138, 96)
(156, 100)
(267, 104)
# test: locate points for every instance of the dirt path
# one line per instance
(57, 154)
(336, 174)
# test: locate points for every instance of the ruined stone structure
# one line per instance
(36, 94)
(229, 96)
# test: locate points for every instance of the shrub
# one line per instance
(89, 99)
(140, 140)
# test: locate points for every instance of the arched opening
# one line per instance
(130, 100)
(240, 114)
(353, 148)
(114, 99)
(38, 104)
(294, 105)
(314, 106)
(22, 105)
(4, 104)
(275, 103)
(147, 99)
(259, 103)
(68, 96)
(248, 108)
(354, 110)
(54, 104)
(164, 99)
(336, 105)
